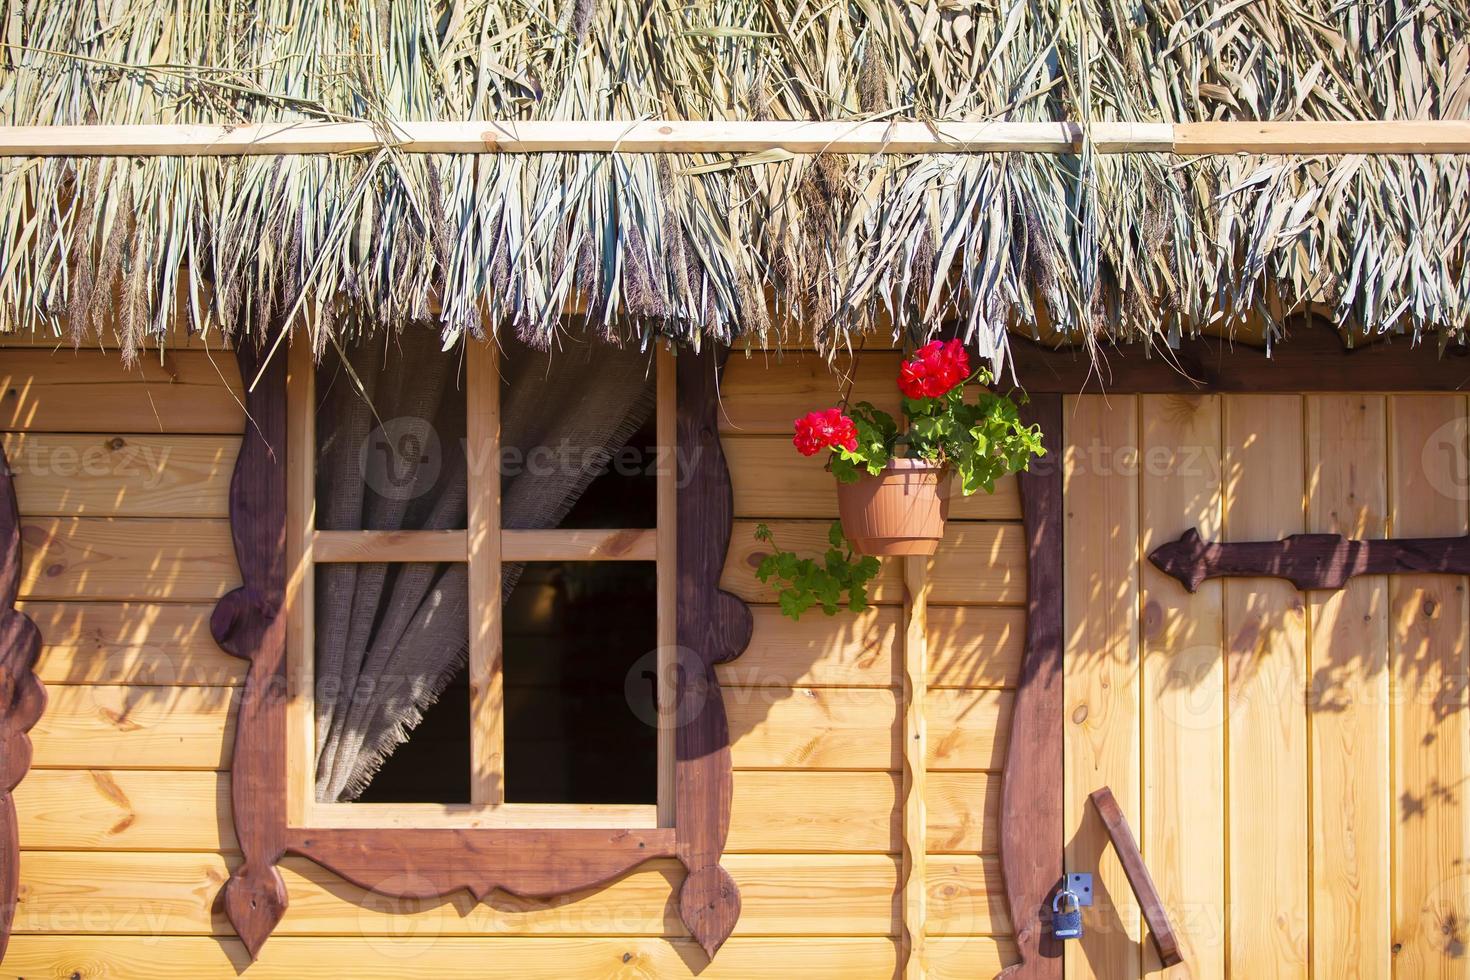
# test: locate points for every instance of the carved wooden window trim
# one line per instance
(22, 697)
(253, 622)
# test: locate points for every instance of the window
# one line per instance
(484, 559)
(418, 850)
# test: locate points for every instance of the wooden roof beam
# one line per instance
(1389, 136)
(737, 137)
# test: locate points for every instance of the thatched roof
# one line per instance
(1127, 245)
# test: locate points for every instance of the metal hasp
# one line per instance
(1079, 883)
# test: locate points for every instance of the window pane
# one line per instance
(625, 492)
(577, 444)
(580, 657)
(390, 437)
(391, 641)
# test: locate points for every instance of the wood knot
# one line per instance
(1431, 606)
(54, 570)
(1079, 714)
(116, 443)
(665, 130)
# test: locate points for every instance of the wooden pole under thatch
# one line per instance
(712, 136)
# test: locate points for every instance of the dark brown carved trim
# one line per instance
(713, 627)
(247, 623)
(1311, 358)
(1309, 561)
(1031, 824)
(22, 697)
(529, 863)
(1160, 929)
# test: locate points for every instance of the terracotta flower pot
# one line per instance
(899, 512)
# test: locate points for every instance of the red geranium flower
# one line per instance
(934, 370)
(816, 431)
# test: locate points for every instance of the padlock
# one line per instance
(1066, 915)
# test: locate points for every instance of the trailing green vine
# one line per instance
(839, 580)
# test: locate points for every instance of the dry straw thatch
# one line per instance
(713, 246)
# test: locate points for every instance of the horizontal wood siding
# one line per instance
(788, 895)
(490, 957)
(126, 822)
(89, 391)
(778, 811)
(136, 727)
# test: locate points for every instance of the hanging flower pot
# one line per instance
(901, 511)
(892, 484)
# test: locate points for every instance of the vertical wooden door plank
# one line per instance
(915, 749)
(1429, 669)
(1347, 493)
(1100, 585)
(1266, 722)
(1182, 637)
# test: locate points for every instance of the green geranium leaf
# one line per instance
(838, 582)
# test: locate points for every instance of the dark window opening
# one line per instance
(625, 493)
(580, 642)
(590, 459)
(433, 766)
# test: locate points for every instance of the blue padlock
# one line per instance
(1066, 915)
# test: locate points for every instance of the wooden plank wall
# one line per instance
(125, 818)
(1294, 764)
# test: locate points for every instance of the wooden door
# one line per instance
(1292, 762)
